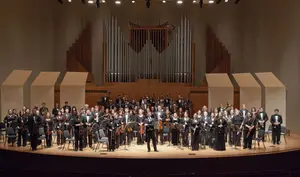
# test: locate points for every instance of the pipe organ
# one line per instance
(161, 52)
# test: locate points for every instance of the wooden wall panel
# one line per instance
(198, 95)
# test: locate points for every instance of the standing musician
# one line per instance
(175, 129)
(249, 130)
(59, 122)
(167, 125)
(78, 131)
(117, 123)
(43, 109)
(211, 135)
(48, 129)
(68, 122)
(276, 121)
(220, 126)
(88, 121)
(186, 123)
(159, 118)
(140, 127)
(231, 128)
(55, 110)
(237, 122)
(111, 133)
(244, 111)
(205, 123)
(195, 128)
(22, 128)
(33, 127)
(128, 121)
(262, 118)
(150, 134)
(122, 132)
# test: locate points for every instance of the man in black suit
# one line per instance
(276, 121)
(67, 106)
(34, 123)
(150, 135)
(262, 118)
(244, 111)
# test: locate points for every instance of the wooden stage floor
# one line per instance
(165, 151)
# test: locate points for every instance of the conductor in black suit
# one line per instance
(276, 121)
(150, 133)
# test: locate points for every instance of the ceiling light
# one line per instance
(211, 1)
(90, 1)
(103, 1)
(133, 1)
(69, 0)
(194, 1)
(226, 0)
(179, 2)
(118, 2)
(164, 1)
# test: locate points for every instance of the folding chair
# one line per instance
(101, 138)
(69, 139)
(42, 137)
(166, 133)
(283, 133)
(10, 134)
(2, 130)
(268, 133)
(257, 140)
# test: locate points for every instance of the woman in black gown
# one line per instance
(175, 129)
(220, 126)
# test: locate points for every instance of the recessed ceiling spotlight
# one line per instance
(90, 1)
(211, 1)
(133, 1)
(69, 0)
(226, 0)
(164, 1)
(103, 1)
(118, 2)
(179, 2)
(194, 1)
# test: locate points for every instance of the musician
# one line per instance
(237, 121)
(205, 123)
(186, 123)
(175, 129)
(180, 102)
(88, 121)
(22, 128)
(117, 123)
(276, 121)
(195, 128)
(48, 129)
(150, 133)
(78, 131)
(105, 101)
(67, 121)
(262, 118)
(10, 121)
(128, 121)
(159, 118)
(59, 122)
(220, 126)
(140, 127)
(122, 128)
(167, 125)
(119, 101)
(231, 128)
(66, 106)
(55, 110)
(244, 111)
(43, 109)
(111, 126)
(249, 130)
(33, 127)
(211, 132)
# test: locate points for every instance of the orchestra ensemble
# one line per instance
(148, 120)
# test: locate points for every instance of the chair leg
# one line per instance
(284, 139)
(68, 145)
(5, 139)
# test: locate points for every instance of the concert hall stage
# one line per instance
(169, 161)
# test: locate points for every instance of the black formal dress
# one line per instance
(205, 123)
(276, 129)
(140, 129)
(111, 127)
(186, 124)
(48, 131)
(150, 133)
(78, 132)
(33, 128)
(220, 126)
(175, 131)
(249, 133)
(195, 133)
(22, 130)
(236, 124)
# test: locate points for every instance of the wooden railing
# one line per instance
(217, 56)
(79, 55)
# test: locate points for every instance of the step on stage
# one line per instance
(134, 159)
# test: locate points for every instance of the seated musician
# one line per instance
(276, 121)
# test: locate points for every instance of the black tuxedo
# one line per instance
(22, 130)
(205, 129)
(276, 129)
(149, 122)
(237, 122)
(262, 116)
(243, 112)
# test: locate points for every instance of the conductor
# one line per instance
(150, 133)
